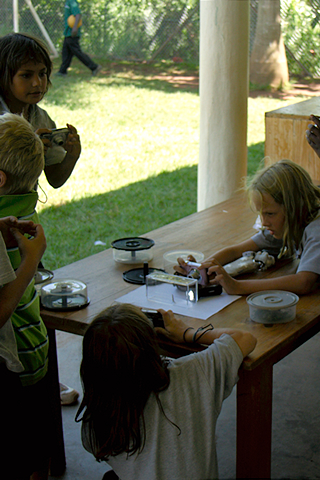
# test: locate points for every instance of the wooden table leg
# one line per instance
(58, 458)
(254, 422)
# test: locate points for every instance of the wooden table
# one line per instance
(224, 224)
(285, 135)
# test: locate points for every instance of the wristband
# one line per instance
(184, 333)
(204, 330)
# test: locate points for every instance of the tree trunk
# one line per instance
(268, 62)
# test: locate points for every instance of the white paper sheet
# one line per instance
(203, 309)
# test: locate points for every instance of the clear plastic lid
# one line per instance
(43, 275)
(273, 299)
(171, 257)
(64, 294)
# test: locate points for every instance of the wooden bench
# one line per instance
(285, 135)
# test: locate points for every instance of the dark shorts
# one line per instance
(25, 412)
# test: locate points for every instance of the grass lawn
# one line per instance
(139, 131)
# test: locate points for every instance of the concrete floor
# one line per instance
(296, 417)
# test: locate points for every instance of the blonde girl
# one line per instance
(288, 203)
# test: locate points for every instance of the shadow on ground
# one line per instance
(129, 211)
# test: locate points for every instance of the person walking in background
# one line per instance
(71, 45)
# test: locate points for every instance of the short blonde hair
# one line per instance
(21, 154)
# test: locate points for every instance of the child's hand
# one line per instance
(73, 145)
(180, 268)
(46, 142)
(174, 327)
(31, 248)
(230, 285)
(24, 226)
(313, 134)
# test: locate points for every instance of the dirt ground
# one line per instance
(189, 80)
(304, 88)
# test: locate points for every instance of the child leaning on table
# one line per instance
(288, 204)
(12, 287)
(21, 162)
(25, 68)
(148, 417)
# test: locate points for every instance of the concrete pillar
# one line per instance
(224, 85)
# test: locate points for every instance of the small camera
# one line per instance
(193, 271)
(57, 136)
(154, 316)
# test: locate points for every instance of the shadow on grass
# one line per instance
(167, 78)
(71, 229)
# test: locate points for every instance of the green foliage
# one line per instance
(301, 32)
(134, 29)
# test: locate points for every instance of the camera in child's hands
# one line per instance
(154, 316)
(57, 136)
(193, 271)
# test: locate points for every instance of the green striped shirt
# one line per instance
(30, 331)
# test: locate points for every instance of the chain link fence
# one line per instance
(300, 23)
(113, 29)
(138, 30)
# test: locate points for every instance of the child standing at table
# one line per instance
(12, 287)
(288, 203)
(25, 69)
(21, 162)
(147, 417)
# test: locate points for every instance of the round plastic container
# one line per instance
(132, 250)
(272, 306)
(170, 258)
(43, 275)
(64, 295)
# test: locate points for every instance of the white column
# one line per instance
(224, 85)
(15, 9)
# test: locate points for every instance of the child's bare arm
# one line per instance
(177, 331)
(58, 173)
(300, 283)
(229, 254)
(31, 252)
(223, 256)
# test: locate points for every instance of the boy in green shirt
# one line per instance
(71, 44)
(21, 163)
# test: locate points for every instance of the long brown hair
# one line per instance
(120, 368)
(291, 186)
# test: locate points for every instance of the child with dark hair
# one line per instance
(25, 69)
(148, 417)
